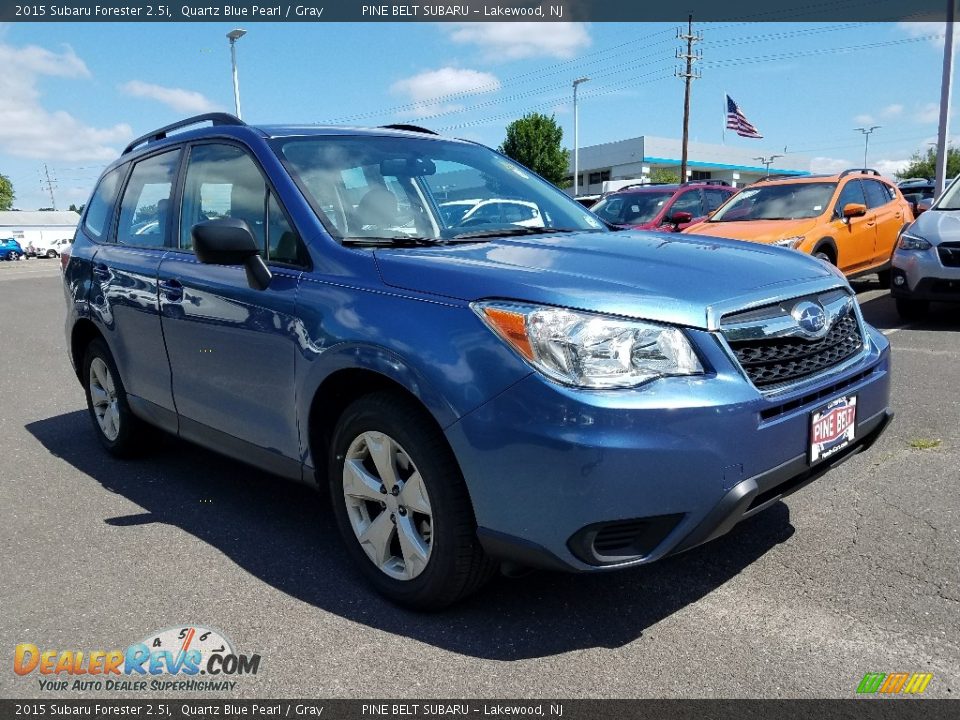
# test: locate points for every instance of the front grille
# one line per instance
(949, 254)
(776, 361)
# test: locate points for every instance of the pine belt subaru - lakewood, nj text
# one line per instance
(559, 396)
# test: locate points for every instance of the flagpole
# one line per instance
(724, 123)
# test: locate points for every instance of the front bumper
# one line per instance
(677, 462)
(919, 275)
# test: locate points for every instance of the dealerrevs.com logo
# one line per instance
(187, 659)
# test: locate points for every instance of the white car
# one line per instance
(494, 211)
(53, 248)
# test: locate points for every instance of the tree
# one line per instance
(78, 208)
(534, 141)
(924, 164)
(6, 193)
(663, 176)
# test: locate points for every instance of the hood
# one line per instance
(669, 277)
(762, 231)
(937, 226)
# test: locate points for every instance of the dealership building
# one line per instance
(636, 158)
(40, 227)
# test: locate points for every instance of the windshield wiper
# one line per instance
(392, 241)
(511, 231)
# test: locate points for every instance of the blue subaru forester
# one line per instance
(481, 371)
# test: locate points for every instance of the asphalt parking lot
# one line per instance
(859, 572)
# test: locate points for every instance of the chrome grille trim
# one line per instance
(767, 343)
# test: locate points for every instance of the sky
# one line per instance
(73, 94)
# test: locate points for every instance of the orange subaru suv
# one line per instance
(851, 220)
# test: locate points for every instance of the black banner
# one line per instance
(244, 11)
(875, 708)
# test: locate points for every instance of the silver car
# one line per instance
(926, 262)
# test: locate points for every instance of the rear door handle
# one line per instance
(172, 289)
(101, 271)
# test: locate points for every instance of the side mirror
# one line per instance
(229, 241)
(852, 210)
(680, 217)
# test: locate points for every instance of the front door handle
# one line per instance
(101, 271)
(171, 289)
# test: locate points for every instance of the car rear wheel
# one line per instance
(401, 504)
(51, 253)
(14, 256)
(119, 431)
(910, 309)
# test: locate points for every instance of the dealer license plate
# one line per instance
(833, 428)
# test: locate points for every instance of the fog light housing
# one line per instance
(899, 281)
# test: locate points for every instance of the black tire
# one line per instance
(825, 256)
(14, 256)
(51, 253)
(457, 565)
(911, 310)
(131, 435)
(884, 277)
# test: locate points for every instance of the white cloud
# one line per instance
(864, 119)
(828, 165)
(892, 111)
(518, 40)
(928, 113)
(187, 101)
(28, 129)
(431, 90)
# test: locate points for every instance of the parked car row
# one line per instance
(12, 249)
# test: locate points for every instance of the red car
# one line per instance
(662, 207)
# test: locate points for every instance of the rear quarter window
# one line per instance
(100, 209)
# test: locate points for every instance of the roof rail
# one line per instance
(409, 128)
(862, 171)
(217, 118)
(706, 182)
(780, 176)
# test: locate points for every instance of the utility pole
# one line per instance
(688, 76)
(867, 132)
(942, 132)
(49, 183)
(767, 161)
(576, 137)
(233, 36)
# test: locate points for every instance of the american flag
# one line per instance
(738, 122)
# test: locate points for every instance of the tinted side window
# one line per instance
(145, 208)
(285, 245)
(877, 194)
(97, 220)
(223, 181)
(688, 202)
(714, 199)
(852, 192)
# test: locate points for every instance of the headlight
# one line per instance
(913, 242)
(588, 350)
(791, 242)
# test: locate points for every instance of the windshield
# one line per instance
(632, 208)
(398, 187)
(950, 200)
(777, 202)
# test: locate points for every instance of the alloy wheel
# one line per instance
(388, 505)
(103, 397)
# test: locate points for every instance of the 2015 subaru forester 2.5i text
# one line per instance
(561, 396)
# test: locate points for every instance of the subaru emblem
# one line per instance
(811, 318)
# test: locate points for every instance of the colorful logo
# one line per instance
(181, 651)
(894, 683)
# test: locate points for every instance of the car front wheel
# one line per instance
(51, 253)
(402, 506)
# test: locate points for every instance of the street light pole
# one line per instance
(947, 81)
(576, 137)
(866, 140)
(235, 35)
(767, 161)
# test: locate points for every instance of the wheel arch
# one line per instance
(829, 246)
(83, 333)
